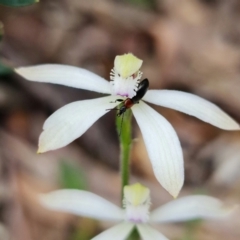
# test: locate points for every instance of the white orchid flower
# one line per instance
(136, 210)
(163, 146)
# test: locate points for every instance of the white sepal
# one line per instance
(65, 75)
(82, 203)
(163, 147)
(148, 233)
(192, 105)
(118, 232)
(71, 121)
(190, 207)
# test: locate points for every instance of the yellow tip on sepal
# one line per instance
(38, 151)
(127, 64)
(136, 194)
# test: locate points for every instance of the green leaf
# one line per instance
(1, 30)
(191, 229)
(145, 4)
(4, 70)
(86, 229)
(72, 177)
(17, 3)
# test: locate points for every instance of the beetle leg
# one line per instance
(118, 100)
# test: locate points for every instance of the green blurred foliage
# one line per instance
(200, 191)
(72, 177)
(86, 229)
(17, 3)
(191, 229)
(4, 70)
(1, 30)
(145, 4)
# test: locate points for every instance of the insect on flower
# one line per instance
(129, 102)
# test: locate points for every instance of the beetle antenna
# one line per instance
(112, 109)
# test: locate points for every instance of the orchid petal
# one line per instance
(118, 232)
(163, 147)
(148, 233)
(71, 121)
(190, 207)
(82, 203)
(65, 75)
(192, 105)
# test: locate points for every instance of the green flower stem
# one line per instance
(124, 128)
(134, 235)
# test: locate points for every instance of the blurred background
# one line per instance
(188, 45)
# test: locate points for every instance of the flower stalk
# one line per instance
(124, 128)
